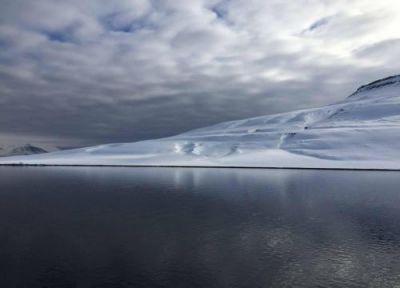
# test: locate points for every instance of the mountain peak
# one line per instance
(388, 81)
(28, 149)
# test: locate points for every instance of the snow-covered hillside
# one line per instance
(361, 132)
(27, 149)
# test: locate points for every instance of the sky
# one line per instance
(76, 73)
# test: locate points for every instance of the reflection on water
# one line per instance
(164, 227)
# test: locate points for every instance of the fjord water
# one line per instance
(183, 227)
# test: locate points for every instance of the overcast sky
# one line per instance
(82, 72)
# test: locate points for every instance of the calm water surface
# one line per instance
(165, 227)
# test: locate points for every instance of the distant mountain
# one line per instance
(360, 132)
(26, 149)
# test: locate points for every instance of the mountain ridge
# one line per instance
(26, 149)
(395, 79)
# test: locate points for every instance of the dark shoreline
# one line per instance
(201, 167)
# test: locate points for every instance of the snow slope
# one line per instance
(361, 132)
(27, 149)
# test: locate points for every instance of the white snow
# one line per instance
(361, 132)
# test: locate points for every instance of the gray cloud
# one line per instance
(103, 71)
(387, 51)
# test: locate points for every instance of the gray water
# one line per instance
(166, 227)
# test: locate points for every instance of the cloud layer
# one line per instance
(102, 71)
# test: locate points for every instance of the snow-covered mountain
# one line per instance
(26, 149)
(360, 132)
